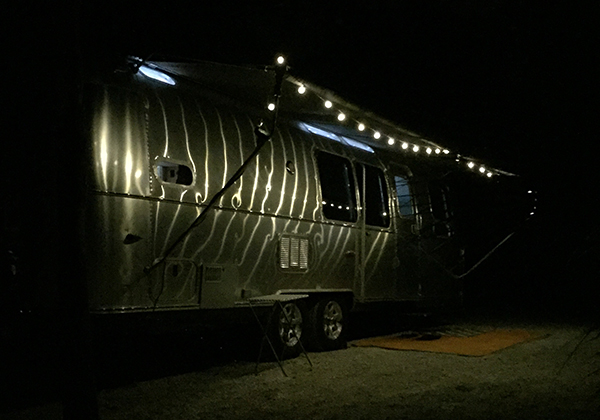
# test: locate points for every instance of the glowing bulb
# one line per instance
(470, 165)
(428, 150)
(489, 174)
(328, 104)
(405, 145)
(271, 107)
(446, 151)
(341, 116)
(301, 90)
(437, 151)
(415, 148)
(391, 141)
(377, 134)
(481, 169)
(361, 127)
(280, 59)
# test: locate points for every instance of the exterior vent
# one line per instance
(293, 253)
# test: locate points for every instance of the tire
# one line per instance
(287, 327)
(327, 325)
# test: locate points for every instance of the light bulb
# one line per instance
(391, 141)
(489, 174)
(405, 145)
(328, 104)
(470, 165)
(280, 59)
(341, 116)
(481, 169)
(361, 127)
(271, 106)
(377, 134)
(428, 150)
(437, 151)
(415, 148)
(301, 90)
(446, 151)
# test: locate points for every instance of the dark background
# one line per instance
(508, 82)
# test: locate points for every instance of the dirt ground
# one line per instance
(553, 377)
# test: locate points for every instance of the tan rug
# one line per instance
(478, 345)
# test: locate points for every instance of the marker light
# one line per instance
(328, 104)
(301, 90)
(391, 141)
(341, 116)
(271, 107)
(156, 75)
(377, 134)
(405, 145)
(361, 127)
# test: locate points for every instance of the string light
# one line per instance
(362, 126)
(271, 107)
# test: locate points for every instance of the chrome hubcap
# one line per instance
(290, 324)
(332, 320)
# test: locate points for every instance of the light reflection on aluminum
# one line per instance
(156, 75)
(332, 136)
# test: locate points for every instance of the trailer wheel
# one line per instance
(286, 330)
(327, 325)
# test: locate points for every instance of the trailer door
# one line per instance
(377, 238)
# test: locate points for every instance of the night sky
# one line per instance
(508, 82)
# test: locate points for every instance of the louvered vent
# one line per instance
(293, 253)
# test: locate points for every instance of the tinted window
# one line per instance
(337, 187)
(376, 197)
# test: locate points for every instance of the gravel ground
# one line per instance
(554, 377)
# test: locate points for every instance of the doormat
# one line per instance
(477, 345)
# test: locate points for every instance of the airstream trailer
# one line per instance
(192, 205)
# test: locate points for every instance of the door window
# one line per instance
(377, 212)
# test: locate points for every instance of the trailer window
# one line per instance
(338, 197)
(174, 173)
(405, 204)
(376, 198)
